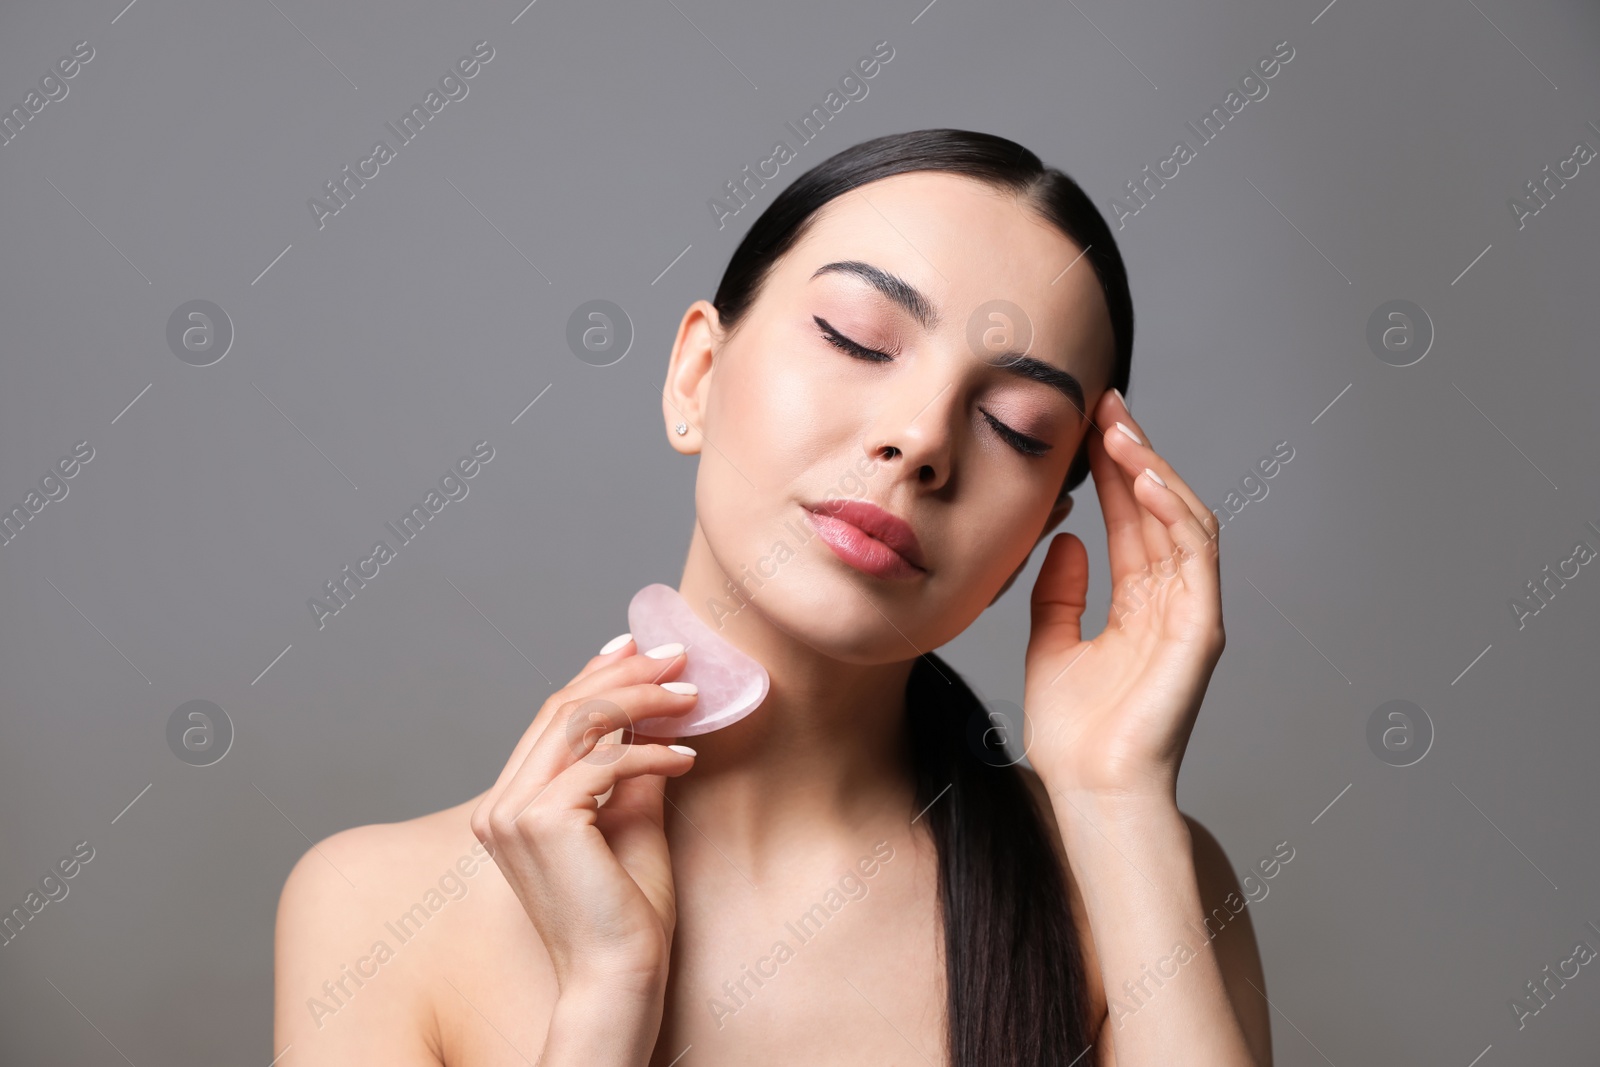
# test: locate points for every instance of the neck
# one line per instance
(827, 748)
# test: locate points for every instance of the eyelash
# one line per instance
(1028, 446)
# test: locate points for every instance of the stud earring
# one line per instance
(682, 428)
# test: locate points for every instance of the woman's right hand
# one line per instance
(596, 881)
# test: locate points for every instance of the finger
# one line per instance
(611, 652)
(1135, 456)
(1059, 594)
(658, 664)
(632, 820)
(624, 668)
(1150, 458)
(579, 786)
(1124, 529)
(575, 733)
(640, 797)
(1195, 550)
(1121, 440)
(611, 671)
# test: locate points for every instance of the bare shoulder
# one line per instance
(351, 970)
(1238, 956)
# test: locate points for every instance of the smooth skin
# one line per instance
(628, 932)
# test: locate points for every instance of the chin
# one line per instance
(838, 621)
(817, 601)
(803, 594)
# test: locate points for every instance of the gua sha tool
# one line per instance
(732, 685)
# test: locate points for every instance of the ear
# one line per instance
(683, 399)
(1057, 515)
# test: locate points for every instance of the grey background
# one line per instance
(432, 310)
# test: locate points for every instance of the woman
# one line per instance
(933, 326)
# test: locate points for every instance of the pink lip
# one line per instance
(868, 538)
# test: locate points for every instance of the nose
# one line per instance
(913, 430)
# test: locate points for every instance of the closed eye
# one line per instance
(840, 341)
(1028, 446)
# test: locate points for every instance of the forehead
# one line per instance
(965, 245)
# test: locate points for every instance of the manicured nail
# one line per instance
(615, 643)
(666, 651)
(687, 689)
(1154, 477)
(1121, 399)
(683, 750)
(1136, 438)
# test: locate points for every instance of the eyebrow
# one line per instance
(892, 286)
(909, 297)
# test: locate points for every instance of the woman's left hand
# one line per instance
(1111, 717)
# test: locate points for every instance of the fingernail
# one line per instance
(1136, 438)
(683, 750)
(1122, 399)
(615, 643)
(666, 651)
(1154, 477)
(687, 689)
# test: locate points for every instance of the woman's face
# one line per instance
(866, 371)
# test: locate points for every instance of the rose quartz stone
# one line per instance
(732, 685)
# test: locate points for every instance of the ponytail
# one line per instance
(1017, 992)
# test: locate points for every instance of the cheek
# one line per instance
(999, 544)
(775, 417)
(976, 562)
(767, 425)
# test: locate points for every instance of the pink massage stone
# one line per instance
(732, 685)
